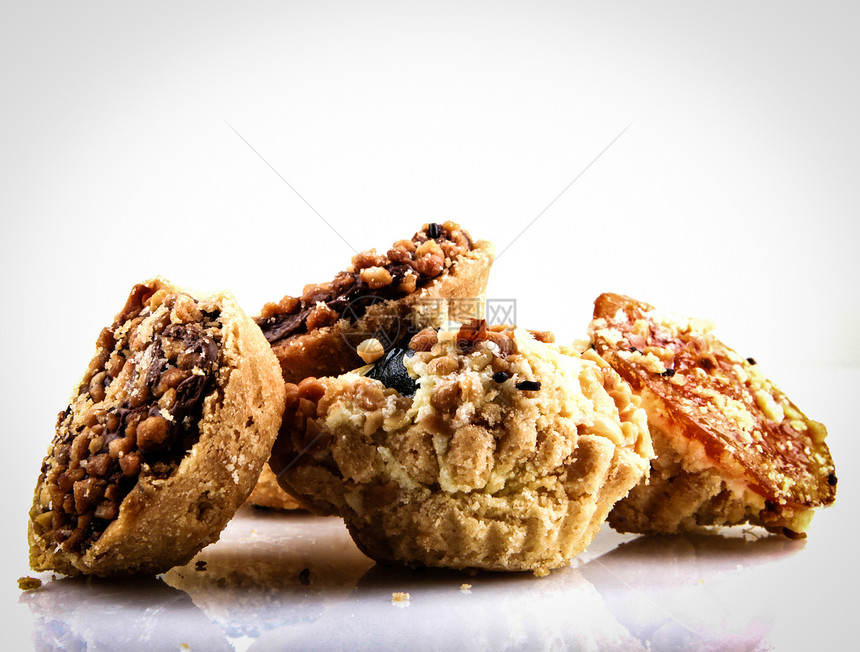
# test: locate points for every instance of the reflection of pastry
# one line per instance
(496, 612)
(685, 591)
(114, 614)
(487, 449)
(440, 273)
(268, 493)
(731, 448)
(163, 439)
(268, 570)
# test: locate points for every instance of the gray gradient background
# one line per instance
(733, 193)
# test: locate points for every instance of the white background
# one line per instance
(732, 192)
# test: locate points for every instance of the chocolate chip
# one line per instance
(278, 327)
(188, 395)
(832, 479)
(391, 371)
(349, 296)
(668, 373)
(501, 376)
(751, 360)
(528, 385)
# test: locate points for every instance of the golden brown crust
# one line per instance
(167, 517)
(732, 448)
(268, 493)
(502, 462)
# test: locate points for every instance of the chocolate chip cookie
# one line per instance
(163, 439)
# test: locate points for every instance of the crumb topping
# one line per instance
(471, 420)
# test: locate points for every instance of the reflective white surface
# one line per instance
(296, 581)
(732, 195)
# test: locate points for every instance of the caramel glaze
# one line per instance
(712, 395)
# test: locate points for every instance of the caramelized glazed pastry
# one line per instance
(731, 447)
(163, 439)
(478, 448)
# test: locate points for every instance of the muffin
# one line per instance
(476, 447)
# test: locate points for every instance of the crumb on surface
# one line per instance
(400, 598)
(28, 583)
(465, 587)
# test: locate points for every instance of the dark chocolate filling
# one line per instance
(391, 371)
(111, 483)
(350, 300)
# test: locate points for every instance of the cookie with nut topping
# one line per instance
(731, 447)
(439, 274)
(163, 439)
(473, 448)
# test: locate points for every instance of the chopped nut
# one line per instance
(368, 259)
(370, 350)
(431, 264)
(444, 365)
(170, 379)
(97, 386)
(151, 432)
(401, 252)
(321, 316)
(376, 277)
(185, 310)
(408, 283)
(423, 340)
(446, 396)
(130, 464)
(314, 293)
(547, 337)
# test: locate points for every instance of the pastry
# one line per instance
(163, 439)
(268, 493)
(731, 447)
(440, 273)
(470, 448)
